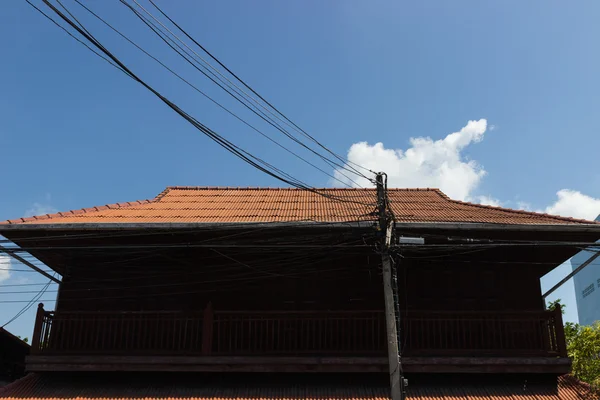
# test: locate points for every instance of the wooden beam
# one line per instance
(285, 368)
(572, 274)
(554, 365)
(487, 361)
(209, 360)
(488, 369)
(27, 263)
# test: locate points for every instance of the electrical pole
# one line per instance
(386, 229)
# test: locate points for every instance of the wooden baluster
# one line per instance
(539, 334)
(252, 338)
(236, 339)
(273, 334)
(561, 342)
(173, 333)
(66, 329)
(207, 327)
(546, 336)
(219, 334)
(44, 340)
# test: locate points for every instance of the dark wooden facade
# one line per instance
(291, 300)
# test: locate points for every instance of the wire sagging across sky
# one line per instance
(242, 92)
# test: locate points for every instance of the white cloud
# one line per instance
(488, 200)
(5, 263)
(4, 267)
(571, 203)
(40, 209)
(427, 163)
(441, 164)
(22, 280)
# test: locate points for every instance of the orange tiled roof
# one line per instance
(236, 205)
(122, 386)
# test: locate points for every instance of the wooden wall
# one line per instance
(258, 280)
(254, 281)
(459, 286)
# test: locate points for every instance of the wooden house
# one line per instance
(285, 280)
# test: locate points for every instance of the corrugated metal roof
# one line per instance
(258, 386)
(237, 205)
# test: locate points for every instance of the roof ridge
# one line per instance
(290, 189)
(522, 212)
(161, 195)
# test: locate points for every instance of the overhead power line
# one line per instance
(75, 37)
(257, 94)
(301, 246)
(240, 91)
(226, 84)
(213, 288)
(187, 82)
(29, 304)
(20, 259)
(247, 228)
(254, 161)
(269, 257)
(247, 276)
(25, 284)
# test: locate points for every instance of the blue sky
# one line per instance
(75, 132)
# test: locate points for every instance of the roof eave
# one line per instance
(466, 226)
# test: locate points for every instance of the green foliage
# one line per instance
(26, 340)
(583, 346)
(558, 302)
(571, 332)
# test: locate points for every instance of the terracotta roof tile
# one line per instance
(125, 386)
(180, 204)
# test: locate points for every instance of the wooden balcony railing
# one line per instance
(529, 333)
(299, 333)
(314, 333)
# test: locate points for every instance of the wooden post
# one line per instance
(561, 341)
(37, 329)
(207, 330)
(386, 226)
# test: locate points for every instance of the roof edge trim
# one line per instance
(306, 224)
